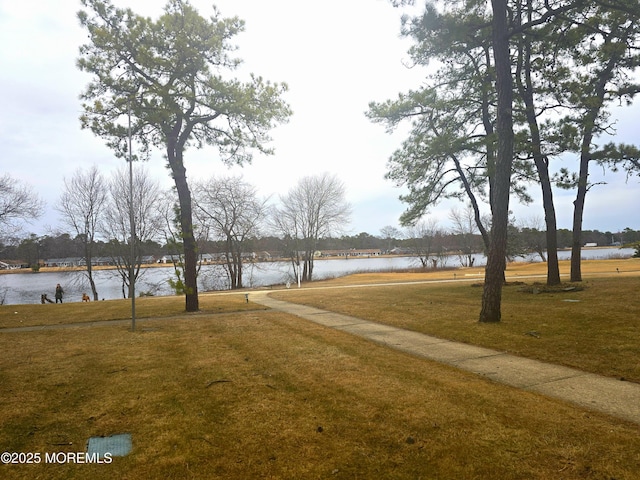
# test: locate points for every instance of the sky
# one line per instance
(336, 56)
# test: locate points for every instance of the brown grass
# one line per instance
(146, 307)
(594, 329)
(259, 394)
(264, 395)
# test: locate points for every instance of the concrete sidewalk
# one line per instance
(607, 395)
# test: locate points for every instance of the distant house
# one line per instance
(591, 244)
(334, 253)
(204, 258)
(365, 252)
(64, 262)
(12, 265)
(77, 262)
(352, 252)
(169, 259)
(148, 259)
(99, 261)
(402, 251)
(208, 258)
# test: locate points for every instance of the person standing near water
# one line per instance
(59, 293)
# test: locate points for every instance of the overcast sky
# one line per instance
(336, 56)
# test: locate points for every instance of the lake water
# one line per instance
(17, 288)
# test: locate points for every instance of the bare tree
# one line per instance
(390, 233)
(81, 205)
(425, 238)
(17, 203)
(313, 209)
(116, 221)
(534, 236)
(465, 227)
(233, 212)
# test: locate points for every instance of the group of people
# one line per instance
(59, 294)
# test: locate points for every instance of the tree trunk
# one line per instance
(525, 89)
(310, 269)
(305, 270)
(578, 212)
(94, 291)
(230, 270)
(174, 156)
(595, 106)
(231, 261)
(474, 203)
(494, 271)
(295, 264)
(189, 242)
(542, 166)
(553, 267)
(307, 265)
(239, 273)
(89, 259)
(237, 268)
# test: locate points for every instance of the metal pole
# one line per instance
(132, 224)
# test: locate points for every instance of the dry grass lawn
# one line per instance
(147, 307)
(594, 327)
(258, 394)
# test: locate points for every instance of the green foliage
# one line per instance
(177, 283)
(169, 79)
(174, 246)
(566, 179)
(619, 156)
(450, 151)
(569, 63)
(166, 73)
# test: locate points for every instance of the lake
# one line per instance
(18, 288)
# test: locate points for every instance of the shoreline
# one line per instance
(278, 260)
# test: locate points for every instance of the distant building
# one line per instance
(64, 262)
(12, 265)
(353, 252)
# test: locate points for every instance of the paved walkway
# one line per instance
(604, 394)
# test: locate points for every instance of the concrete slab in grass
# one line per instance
(115, 445)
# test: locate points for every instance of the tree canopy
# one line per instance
(230, 211)
(171, 78)
(516, 83)
(313, 209)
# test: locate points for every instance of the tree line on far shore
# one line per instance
(33, 249)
